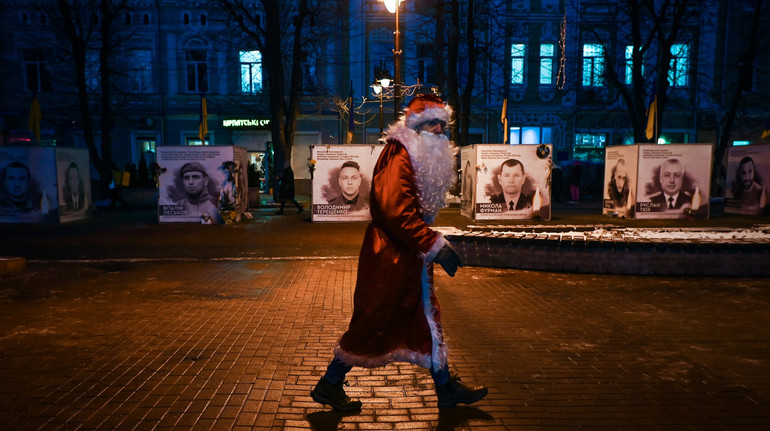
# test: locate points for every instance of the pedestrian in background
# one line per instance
(575, 177)
(286, 188)
(396, 312)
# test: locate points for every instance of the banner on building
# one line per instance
(748, 174)
(510, 182)
(342, 181)
(673, 181)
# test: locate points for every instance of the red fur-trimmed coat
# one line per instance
(396, 312)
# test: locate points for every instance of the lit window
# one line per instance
(195, 141)
(529, 135)
(251, 72)
(590, 140)
(593, 65)
(630, 64)
(197, 70)
(517, 63)
(680, 65)
(146, 147)
(546, 63)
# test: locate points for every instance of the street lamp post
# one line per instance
(379, 87)
(393, 6)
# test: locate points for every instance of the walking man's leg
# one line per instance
(451, 392)
(330, 391)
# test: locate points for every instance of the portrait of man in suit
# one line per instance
(73, 190)
(511, 179)
(672, 195)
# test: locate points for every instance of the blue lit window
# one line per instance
(593, 65)
(590, 140)
(251, 72)
(630, 65)
(546, 63)
(680, 65)
(529, 135)
(518, 51)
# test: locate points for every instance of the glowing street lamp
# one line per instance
(379, 87)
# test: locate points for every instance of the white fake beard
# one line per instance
(433, 160)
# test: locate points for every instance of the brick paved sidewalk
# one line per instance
(238, 344)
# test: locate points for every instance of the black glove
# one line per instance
(449, 259)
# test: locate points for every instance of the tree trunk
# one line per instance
(718, 172)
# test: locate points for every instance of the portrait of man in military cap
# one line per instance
(198, 200)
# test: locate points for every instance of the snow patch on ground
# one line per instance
(754, 235)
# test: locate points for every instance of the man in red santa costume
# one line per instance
(396, 312)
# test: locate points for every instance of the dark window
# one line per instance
(37, 76)
(197, 70)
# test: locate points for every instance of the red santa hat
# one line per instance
(424, 108)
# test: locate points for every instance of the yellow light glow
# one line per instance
(392, 5)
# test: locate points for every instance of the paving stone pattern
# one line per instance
(238, 344)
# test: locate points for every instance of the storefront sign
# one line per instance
(246, 122)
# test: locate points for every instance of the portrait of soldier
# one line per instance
(19, 193)
(198, 200)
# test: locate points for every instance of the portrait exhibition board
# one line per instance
(200, 182)
(74, 177)
(673, 181)
(748, 174)
(30, 182)
(512, 182)
(467, 180)
(342, 181)
(620, 174)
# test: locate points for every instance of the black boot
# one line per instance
(333, 394)
(453, 392)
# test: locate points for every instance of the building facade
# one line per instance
(549, 59)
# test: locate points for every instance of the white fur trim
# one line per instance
(414, 120)
(399, 355)
(433, 160)
(438, 244)
(438, 357)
